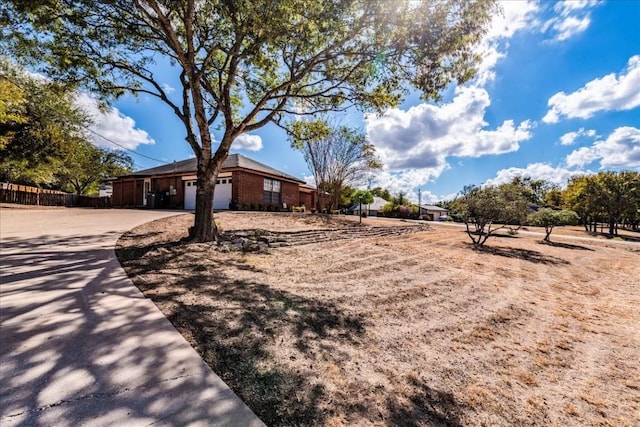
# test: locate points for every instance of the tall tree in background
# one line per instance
(617, 193)
(609, 197)
(39, 124)
(43, 139)
(245, 63)
(86, 166)
(342, 156)
(382, 193)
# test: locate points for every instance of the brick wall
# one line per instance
(306, 199)
(248, 189)
(290, 194)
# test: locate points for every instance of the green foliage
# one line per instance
(388, 208)
(87, 165)
(362, 196)
(243, 64)
(400, 199)
(343, 156)
(550, 218)
(611, 197)
(43, 140)
(482, 208)
(383, 193)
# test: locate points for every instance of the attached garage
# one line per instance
(221, 197)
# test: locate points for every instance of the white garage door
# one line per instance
(221, 196)
(189, 195)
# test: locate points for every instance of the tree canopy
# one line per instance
(486, 210)
(549, 218)
(243, 64)
(341, 156)
(610, 197)
(43, 140)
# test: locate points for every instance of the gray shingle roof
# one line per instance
(433, 208)
(233, 161)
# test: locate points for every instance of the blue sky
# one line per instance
(557, 94)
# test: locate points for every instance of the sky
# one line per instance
(557, 94)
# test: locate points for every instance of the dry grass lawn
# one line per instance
(415, 330)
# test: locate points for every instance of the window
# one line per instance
(271, 192)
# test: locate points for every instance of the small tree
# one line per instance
(489, 209)
(362, 197)
(337, 157)
(549, 218)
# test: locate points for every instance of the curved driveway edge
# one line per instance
(80, 345)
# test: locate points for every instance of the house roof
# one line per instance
(433, 208)
(378, 203)
(189, 166)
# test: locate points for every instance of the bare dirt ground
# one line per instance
(413, 330)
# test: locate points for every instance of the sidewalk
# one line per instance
(80, 345)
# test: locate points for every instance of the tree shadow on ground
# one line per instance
(81, 346)
(524, 254)
(566, 246)
(427, 406)
(233, 324)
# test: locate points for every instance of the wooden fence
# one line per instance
(26, 195)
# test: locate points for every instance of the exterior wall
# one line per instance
(165, 185)
(127, 193)
(290, 194)
(248, 188)
(306, 199)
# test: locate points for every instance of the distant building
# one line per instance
(370, 209)
(435, 213)
(105, 190)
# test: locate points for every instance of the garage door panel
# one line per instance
(221, 195)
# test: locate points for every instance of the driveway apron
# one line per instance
(79, 343)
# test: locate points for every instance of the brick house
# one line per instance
(250, 184)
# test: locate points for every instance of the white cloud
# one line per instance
(573, 18)
(565, 8)
(405, 181)
(620, 149)
(112, 125)
(515, 16)
(582, 156)
(569, 19)
(555, 175)
(571, 137)
(607, 93)
(168, 88)
(425, 135)
(248, 142)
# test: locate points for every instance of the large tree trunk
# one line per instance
(204, 227)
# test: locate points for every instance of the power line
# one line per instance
(98, 134)
(123, 147)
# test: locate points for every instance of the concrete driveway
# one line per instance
(80, 345)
